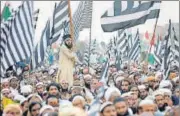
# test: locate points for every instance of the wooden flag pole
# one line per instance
(71, 23)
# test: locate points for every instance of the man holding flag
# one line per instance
(67, 60)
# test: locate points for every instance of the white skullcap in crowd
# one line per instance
(26, 89)
(127, 94)
(39, 83)
(36, 95)
(141, 87)
(78, 97)
(18, 97)
(4, 90)
(87, 76)
(119, 78)
(166, 91)
(146, 102)
(157, 92)
(109, 92)
(165, 83)
(104, 105)
(44, 108)
(158, 74)
(4, 80)
(23, 100)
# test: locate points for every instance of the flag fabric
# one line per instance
(134, 52)
(51, 33)
(60, 20)
(168, 54)
(147, 35)
(20, 40)
(158, 51)
(81, 18)
(126, 14)
(35, 17)
(8, 17)
(175, 49)
(122, 43)
(87, 15)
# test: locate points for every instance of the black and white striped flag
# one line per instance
(168, 56)
(126, 14)
(157, 52)
(51, 33)
(122, 43)
(175, 49)
(35, 17)
(81, 18)
(134, 52)
(20, 40)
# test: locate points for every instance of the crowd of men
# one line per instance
(129, 92)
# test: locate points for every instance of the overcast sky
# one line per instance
(169, 10)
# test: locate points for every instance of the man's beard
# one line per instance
(125, 114)
(68, 46)
(87, 85)
(163, 108)
(65, 90)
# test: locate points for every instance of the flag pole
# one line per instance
(71, 23)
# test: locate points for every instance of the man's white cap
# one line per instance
(6, 80)
(166, 91)
(104, 105)
(44, 108)
(87, 76)
(26, 89)
(127, 94)
(157, 92)
(39, 83)
(146, 102)
(109, 91)
(165, 83)
(18, 97)
(141, 87)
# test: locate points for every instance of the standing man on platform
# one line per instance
(67, 59)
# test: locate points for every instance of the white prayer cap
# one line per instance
(39, 83)
(4, 90)
(104, 105)
(127, 94)
(26, 89)
(146, 102)
(166, 91)
(23, 100)
(87, 76)
(109, 91)
(13, 77)
(119, 78)
(141, 87)
(18, 97)
(44, 108)
(78, 97)
(6, 80)
(36, 95)
(165, 83)
(157, 92)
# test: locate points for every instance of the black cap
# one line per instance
(66, 37)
